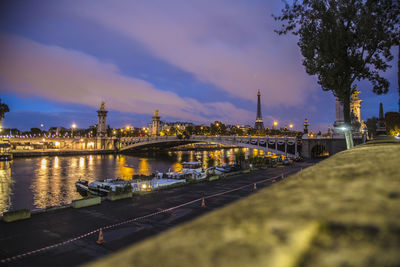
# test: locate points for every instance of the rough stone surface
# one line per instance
(344, 211)
(86, 202)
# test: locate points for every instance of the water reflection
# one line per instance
(50, 181)
(5, 186)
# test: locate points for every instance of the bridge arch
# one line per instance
(319, 151)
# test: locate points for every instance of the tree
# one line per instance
(398, 75)
(36, 131)
(344, 41)
(3, 110)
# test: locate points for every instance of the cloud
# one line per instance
(58, 74)
(230, 44)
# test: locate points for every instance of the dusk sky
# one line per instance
(197, 61)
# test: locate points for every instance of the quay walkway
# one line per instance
(74, 231)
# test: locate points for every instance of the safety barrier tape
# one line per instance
(10, 259)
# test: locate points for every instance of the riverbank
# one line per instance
(120, 228)
(343, 211)
(58, 152)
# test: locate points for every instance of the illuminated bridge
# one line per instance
(280, 145)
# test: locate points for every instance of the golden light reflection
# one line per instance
(191, 155)
(43, 164)
(74, 162)
(176, 167)
(144, 166)
(205, 159)
(81, 162)
(5, 186)
(179, 156)
(231, 156)
(125, 171)
(90, 160)
(255, 152)
(56, 162)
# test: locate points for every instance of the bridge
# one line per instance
(287, 146)
(306, 147)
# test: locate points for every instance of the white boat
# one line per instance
(190, 170)
(101, 188)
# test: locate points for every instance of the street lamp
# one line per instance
(291, 126)
(347, 133)
(73, 128)
(275, 124)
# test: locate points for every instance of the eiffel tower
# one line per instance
(259, 125)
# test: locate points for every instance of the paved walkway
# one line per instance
(46, 229)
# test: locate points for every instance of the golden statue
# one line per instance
(354, 95)
(102, 105)
(156, 113)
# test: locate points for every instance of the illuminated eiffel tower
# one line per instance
(259, 125)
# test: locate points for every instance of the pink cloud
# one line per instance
(55, 73)
(226, 43)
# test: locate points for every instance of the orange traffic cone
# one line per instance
(100, 240)
(203, 203)
(255, 186)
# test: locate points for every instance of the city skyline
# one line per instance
(197, 62)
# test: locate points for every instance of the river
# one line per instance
(41, 182)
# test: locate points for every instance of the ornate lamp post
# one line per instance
(73, 128)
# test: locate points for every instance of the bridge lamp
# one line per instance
(291, 126)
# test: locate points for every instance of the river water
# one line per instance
(40, 182)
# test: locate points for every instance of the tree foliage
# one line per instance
(344, 41)
(3, 110)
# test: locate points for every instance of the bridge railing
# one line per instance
(263, 143)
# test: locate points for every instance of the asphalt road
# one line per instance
(46, 229)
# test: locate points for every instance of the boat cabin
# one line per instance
(192, 165)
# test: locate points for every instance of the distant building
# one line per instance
(177, 125)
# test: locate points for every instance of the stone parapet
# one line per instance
(344, 211)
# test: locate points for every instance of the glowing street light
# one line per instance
(291, 126)
(73, 128)
(275, 123)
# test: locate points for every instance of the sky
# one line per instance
(196, 61)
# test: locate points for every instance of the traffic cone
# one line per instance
(100, 240)
(255, 186)
(203, 203)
